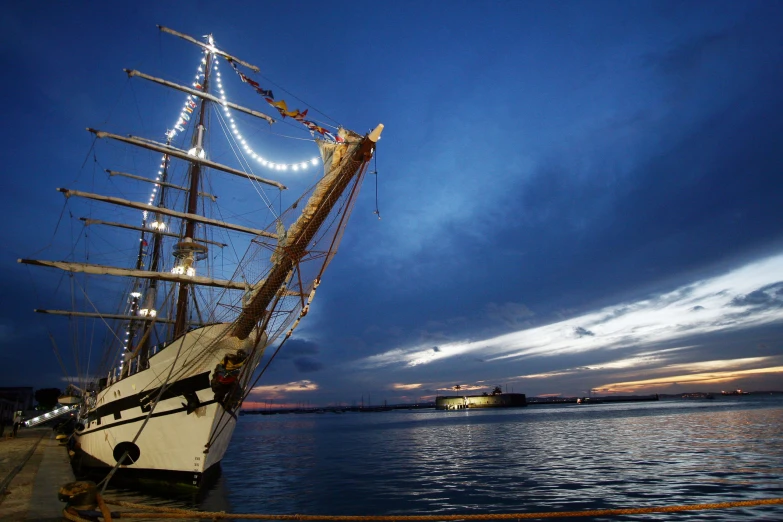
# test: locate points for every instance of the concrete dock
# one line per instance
(33, 466)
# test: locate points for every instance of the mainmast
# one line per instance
(187, 251)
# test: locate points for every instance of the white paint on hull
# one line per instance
(170, 441)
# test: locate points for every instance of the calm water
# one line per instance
(540, 458)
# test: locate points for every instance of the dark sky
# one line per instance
(575, 196)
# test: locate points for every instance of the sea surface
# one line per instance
(534, 459)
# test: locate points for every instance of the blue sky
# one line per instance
(575, 196)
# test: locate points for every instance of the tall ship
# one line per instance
(184, 345)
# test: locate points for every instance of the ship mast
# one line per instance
(152, 289)
(187, 251)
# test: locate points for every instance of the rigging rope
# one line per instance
(298, 98)
(375, 172)
(161, 512)
(243, 161)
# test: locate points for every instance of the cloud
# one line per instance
(707, 377)
(581, 332)
(547, 375)
(723, 301)
(399, 386)
(463, 387)
(767, 297)
(298, 348)
(511, 314)
(307, 365)
(276, 391)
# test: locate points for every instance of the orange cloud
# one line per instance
(276, 391)
(398, 386)
(464, 387)
(694, 378)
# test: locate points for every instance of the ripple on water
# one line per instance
(540, 458)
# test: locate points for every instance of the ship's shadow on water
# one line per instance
(211, 497)
(154, 490)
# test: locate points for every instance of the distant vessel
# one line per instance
(183, 355)
(500, 400)
(616, 398)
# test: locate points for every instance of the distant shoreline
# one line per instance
(531, 401)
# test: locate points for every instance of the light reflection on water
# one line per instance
(540, 458)
(535, 459)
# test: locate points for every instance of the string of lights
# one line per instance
(301, 165)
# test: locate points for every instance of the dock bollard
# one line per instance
(82, 494)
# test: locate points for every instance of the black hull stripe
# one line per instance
(144, 399)
(141, 418)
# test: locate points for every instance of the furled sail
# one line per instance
(127, 272)
(166, 211)
(343, 161)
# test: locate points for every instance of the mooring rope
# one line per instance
(160, 512)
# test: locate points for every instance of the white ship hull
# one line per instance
(182, 435)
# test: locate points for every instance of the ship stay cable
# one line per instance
(57, 353)
(158, 183)
(297, 97)
(89, 222)
(200, 94)
(87, 298)
(244, 162)
(197, 218)
(75, 332)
